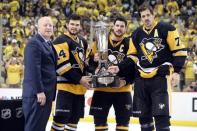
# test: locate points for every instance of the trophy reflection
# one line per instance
(102, 77)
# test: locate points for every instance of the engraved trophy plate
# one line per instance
(103, 78)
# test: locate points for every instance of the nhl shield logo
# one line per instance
(6, 113)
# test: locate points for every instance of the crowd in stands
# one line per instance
(19, 17)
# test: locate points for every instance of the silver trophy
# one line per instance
(102, 77)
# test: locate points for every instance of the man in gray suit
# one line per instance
(39, 77)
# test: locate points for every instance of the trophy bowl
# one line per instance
(105, 81)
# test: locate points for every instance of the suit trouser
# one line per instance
(36, 116)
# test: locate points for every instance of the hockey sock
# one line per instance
(70, 127)
(162, 123)
(57, 126)
(146, 123)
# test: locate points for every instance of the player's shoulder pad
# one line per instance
(136, 33)
(60, 39)
(127, 38)
(166, 26)
(82, 38)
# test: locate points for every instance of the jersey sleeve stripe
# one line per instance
(64, 69)
(180, 53)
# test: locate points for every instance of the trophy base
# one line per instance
(105, 81)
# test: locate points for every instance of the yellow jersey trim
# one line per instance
(72, 88)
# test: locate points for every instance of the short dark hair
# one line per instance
(74, 17)
(120, 18)
(144, 7)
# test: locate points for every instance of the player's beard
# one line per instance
(118, 35)
(148, 24)
(70, 32)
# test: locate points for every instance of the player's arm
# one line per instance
(130, 59)
(64, 65)
(177, 48)
(127, 66)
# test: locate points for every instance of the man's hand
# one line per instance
(41, 98)
(113, 69)
(122, 83)
(175, 79)
(85, 81)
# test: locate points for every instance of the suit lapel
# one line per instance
(53, 52)
(46, 45)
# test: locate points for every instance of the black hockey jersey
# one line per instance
(117, 52)
(71, 54)
(157, 48)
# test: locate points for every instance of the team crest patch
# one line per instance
(128, 106)
(161, 106)
(6, 113)
(78, 53)
(114, 57)
(150, 48)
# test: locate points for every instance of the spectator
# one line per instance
(10, 48)
(67, 9)
(14, 72)
(159, 8)
(191, 88)
(189, 71)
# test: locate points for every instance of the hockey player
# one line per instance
(71, 83)
(120, 98)
(159, 56)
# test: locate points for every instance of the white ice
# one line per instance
(88, 126)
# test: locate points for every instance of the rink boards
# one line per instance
(183, 107)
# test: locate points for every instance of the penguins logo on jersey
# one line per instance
(78, 53)
(150, 47)
(114, 57)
